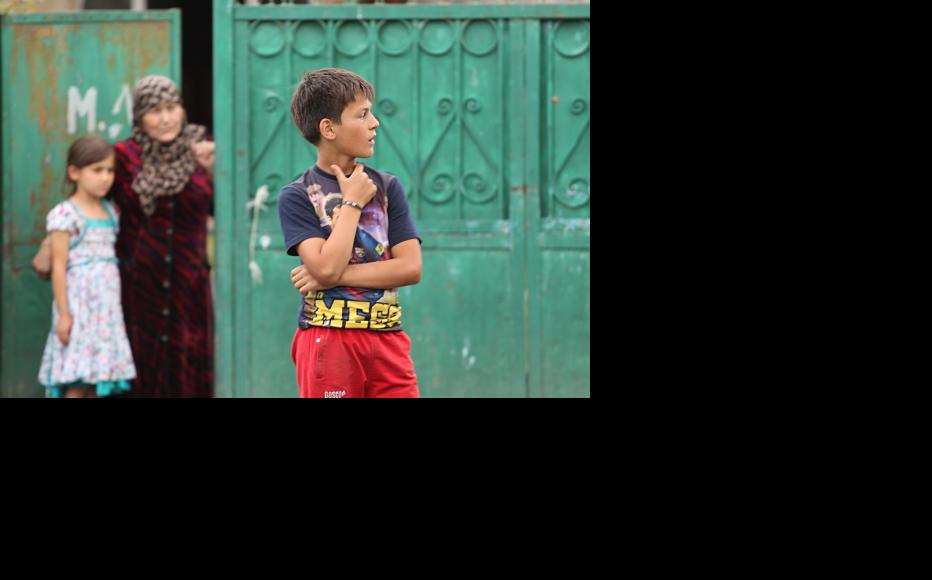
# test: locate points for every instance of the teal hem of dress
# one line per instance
(104, 389)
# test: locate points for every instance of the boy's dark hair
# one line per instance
(323, 94)
(86, 150)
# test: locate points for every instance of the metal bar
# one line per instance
(288, 28)
(175, 65)
(533, 307)
(6, 201)
(417, 174)
(331, 43)
(373, 34)
(225, 329)
(513, 169)
(458, 115)
(89, 16)
(549, 154)
(502, 118)
(240, 193)
(409, 11)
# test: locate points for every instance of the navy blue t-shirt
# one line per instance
(309, 207)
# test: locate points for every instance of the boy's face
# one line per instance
(355, 135)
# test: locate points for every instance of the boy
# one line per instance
(351, 227)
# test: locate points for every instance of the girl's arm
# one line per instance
(60, 241)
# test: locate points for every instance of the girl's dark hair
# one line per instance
(85, 151)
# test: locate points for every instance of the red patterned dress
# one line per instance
(165, 276)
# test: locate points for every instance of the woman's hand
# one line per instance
(63, 328)
(304, 282)
(204, 155)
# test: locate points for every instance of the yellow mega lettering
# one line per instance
(394, 316)
(354, 320)
(334, 314)
(378, 316)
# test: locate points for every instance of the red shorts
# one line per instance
(337, 363)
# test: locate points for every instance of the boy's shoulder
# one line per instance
(296, 191)
(298, 184)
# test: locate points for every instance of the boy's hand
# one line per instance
(63, 328)
(304, 282)
(357, 187)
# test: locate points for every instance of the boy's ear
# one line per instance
(327, 130)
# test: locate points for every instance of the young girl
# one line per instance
(87, 353)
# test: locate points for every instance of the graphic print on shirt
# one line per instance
(345, 307)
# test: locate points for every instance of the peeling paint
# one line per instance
(45, 58)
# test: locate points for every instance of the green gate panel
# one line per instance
(562, 240)
(64, 75)
(457, 104)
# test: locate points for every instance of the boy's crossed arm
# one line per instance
(327, 259)
(403, 269)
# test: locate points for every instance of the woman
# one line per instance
(164, 188)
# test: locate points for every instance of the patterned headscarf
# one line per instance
(166, 167)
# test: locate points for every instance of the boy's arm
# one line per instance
(322, 256)
(327, 259)
(403, 269)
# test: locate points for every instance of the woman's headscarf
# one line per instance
(166, 167)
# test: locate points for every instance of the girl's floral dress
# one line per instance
(98, 354)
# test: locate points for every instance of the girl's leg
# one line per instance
(74, 392)
(90, 393)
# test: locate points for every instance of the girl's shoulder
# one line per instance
(65, 208)
(64, 217)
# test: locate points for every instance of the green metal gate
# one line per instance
(485, 120)
(63, 75)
